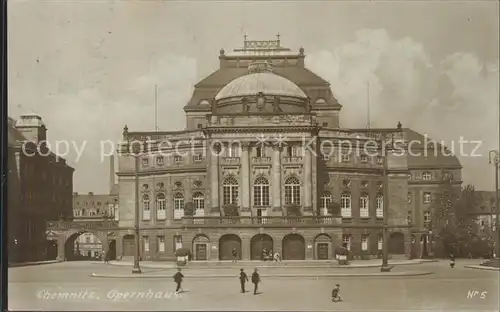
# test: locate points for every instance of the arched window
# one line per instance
(292, 191)
(146, 212)
(199, 204)
(160, 206)
(261, 192)
(364, 206)
(178, 206)
(230, 191)
(345, 205)
(380, 206)
(325, 200)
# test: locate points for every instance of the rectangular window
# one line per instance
(325, 124)
(161, 243)
(364, 211)
(159, 161)
(197, 157)
(346, 240)
(379, 209)
(177, 242)
(177, 159)
(427, 197)
(200, 126)
(427, 218)
(380, 242)
(364, 242)
(145, 162)
(345, 157)
(260, 151)
(146, 243)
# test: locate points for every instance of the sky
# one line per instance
(89, 67)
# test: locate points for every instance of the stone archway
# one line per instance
(78, 249)
(201, 250)
(322, 247)
(258, 243)
(227, 243)
(397, 243)
(294, 247)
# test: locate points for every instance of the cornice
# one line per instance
(183, 169)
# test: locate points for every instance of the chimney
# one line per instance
(31, 126)
(111, 173)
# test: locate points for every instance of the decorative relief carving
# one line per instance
(245, 146)
(292, 171)
(197, 184)
(230, 171)
(160, 186)
(346, 183)
(177, 185)
(261, 170)
(145, 188)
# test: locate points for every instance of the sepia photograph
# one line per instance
(252, 155)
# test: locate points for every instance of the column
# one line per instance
(214, 178)
(307, 182)
(245, 177)
(276, 180)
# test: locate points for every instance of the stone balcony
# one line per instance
(268, 221)
(261, 160)
(230, 161)
(82, 224)
(292, 160)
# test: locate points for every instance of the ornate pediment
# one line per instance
(295, 170)
(231, 171)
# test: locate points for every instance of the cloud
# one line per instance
(93, 114)
(447, 99)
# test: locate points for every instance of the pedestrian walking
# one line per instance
(452, 260)
(336, 293)
(235, 255)
(255, 280)
(106, 256)
(178, 280)
(243, 280)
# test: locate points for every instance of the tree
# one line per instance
(293, 210)
(189, 210)
(451, 218)
(231, 210)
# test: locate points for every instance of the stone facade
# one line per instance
(262, 135)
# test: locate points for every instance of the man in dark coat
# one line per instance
(243, 280)
(178, 280)
(255, 280)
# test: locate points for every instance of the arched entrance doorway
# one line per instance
(322, 247)
(129, 245)
(52, 250)
(200, 247)
(112, 250)
(227, 243)
(83, 246)
(294, 247)
(397, 243)
(258, 243)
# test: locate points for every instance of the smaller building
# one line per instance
(486, 213)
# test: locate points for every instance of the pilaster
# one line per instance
(276, 181)
(214, 179)
(307, 182)
(245, 177)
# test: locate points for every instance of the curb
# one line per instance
(388, 274)
(480, 267)
(23, 264)
(336, 266)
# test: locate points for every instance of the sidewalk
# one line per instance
(482, 267)
(147, 275)
(259, 264)
(22, 264)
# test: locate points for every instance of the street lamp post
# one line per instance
(136, 152)
(385, 233)
(495, 159)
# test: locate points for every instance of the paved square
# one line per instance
(447, 289)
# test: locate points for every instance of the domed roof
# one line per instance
(260, 81)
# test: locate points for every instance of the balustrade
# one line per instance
(268, 220)
(261, 160)
(230, 160)
(292, 159)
